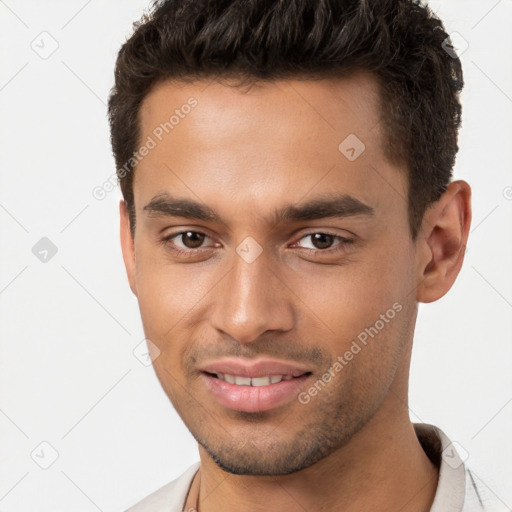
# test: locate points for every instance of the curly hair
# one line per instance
(401, 42)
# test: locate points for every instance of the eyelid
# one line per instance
(341, 240)
(169, 239)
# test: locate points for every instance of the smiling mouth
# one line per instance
(254, 389)
(265, 380)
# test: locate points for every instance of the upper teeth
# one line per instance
(253, 381)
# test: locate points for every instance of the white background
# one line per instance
(69, 326)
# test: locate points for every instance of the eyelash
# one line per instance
(340, 247)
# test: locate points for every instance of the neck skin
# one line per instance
(382, 467)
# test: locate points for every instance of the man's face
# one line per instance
(242, 279)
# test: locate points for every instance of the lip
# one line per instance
(260, 368)
(254, 398)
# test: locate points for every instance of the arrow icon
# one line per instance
(351, 147)
(44, 455)
(146, 352)
(249, 249)
(44, 250)
(454, 455)
(44, 44)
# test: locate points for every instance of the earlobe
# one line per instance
(442, 242)
(127, 245)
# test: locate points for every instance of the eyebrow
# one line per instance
(320, 208)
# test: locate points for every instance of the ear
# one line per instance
(127, 245)
(441, 243)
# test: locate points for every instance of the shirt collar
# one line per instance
(441, 451)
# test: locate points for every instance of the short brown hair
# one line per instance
(400, 41)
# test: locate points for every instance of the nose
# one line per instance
(251, 300)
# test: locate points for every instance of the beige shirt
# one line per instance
(456, 489)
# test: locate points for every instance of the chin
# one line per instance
(277, 460)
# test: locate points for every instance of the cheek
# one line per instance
(365, 300)
(387, 273)
(167, 292)
(353, 294)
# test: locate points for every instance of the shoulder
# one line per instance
(169, 498)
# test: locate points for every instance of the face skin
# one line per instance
(254, 159)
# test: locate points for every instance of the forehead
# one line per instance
(271, 108)
(274, 138)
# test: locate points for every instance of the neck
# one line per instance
(383, 465)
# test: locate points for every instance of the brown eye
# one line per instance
(189, 245)
(318, 241)
(192, 239)
(322, 240)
